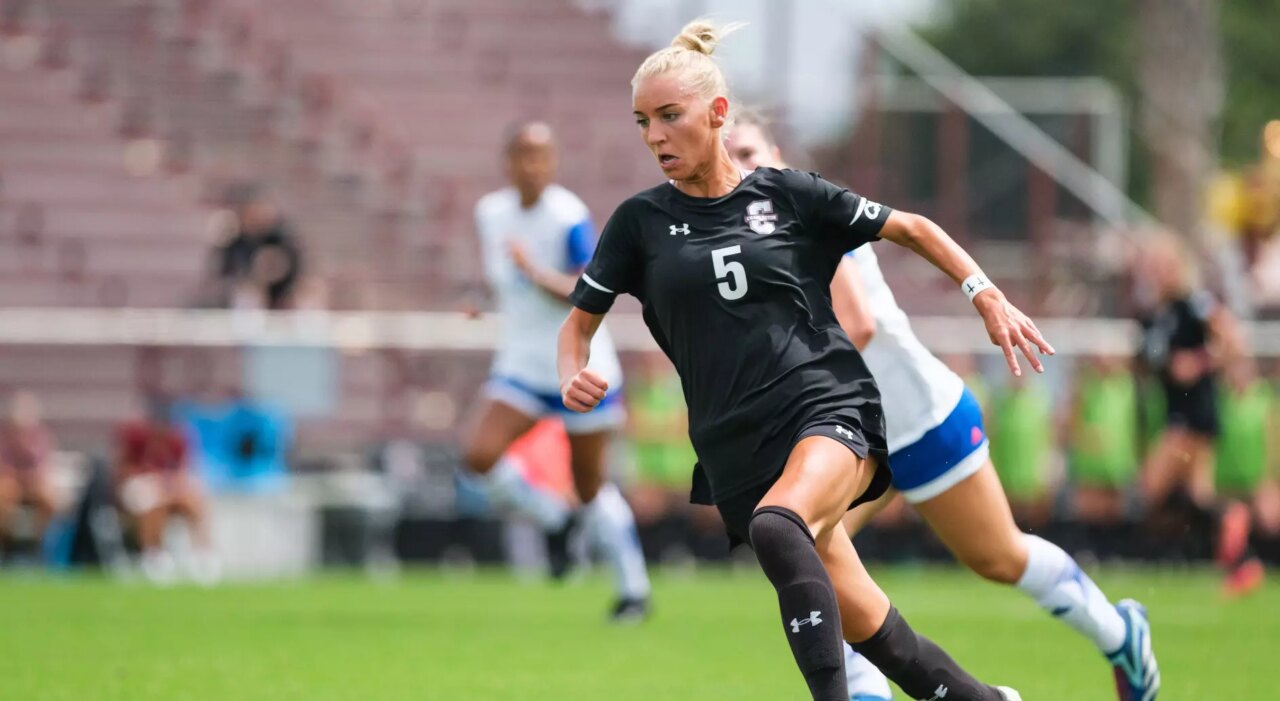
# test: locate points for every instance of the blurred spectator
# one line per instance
(1021, 433)
(1103, 438)
(659, 432)
(670, 527)
(1245, 449)
(1266, 501)
(26, 452)
(261, 265)
(154, 483)
(1247, 205)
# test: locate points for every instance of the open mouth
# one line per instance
(666, 160)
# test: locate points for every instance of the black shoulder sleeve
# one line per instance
(615, 266)
(833, 212)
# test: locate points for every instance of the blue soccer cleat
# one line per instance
(1137, 674)
(864, 697)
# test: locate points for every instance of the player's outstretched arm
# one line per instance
(1007, 327)
(580, 389)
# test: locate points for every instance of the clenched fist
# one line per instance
(583, 391)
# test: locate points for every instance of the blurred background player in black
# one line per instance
(1188, 338)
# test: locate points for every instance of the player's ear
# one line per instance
(719, 112)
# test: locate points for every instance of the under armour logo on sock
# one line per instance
(941, 693)
(815, 617)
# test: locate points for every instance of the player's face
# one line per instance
(680, 128)
(1164, 267)
(750, 150)
(531, 165)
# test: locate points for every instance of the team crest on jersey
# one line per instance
(760, 217)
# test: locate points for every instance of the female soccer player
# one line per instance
(733, 271)
(939, 453)
(535, 237)
(1187, 339)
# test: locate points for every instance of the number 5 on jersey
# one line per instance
(736, 286)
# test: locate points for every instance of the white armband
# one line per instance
(974, 284)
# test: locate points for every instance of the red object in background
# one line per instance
(148, 448)
(543, 456)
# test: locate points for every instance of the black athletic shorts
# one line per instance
(736, 510)
(1193, 408)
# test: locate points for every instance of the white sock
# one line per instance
(612, 527)
(1058, 584)
(509, 491)
(864, 679)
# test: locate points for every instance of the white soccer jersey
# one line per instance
(557, 233)
(917, 390)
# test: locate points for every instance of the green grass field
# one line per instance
(431, 636)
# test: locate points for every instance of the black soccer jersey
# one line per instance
(1183, 325)
(736, 291)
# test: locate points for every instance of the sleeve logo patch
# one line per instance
(867, 207)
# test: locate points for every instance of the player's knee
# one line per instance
(1003, 566)
(776, 533)
(587, 490)
(479, 458)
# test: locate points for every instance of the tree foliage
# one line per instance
(1099, 37)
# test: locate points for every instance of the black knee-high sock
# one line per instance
(919, 666)
(810, 614)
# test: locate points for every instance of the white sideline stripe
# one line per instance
(362, 331)
(587, 278)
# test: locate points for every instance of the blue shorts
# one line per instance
(607, 416)
(946, 455)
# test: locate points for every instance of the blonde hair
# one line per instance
(690, 55)
(1177, 252)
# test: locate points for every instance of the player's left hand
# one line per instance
(1009, 328)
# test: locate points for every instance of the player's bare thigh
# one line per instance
(821, 478)
(10, 493)
(492, 427)
(857, 519)
(974, 521)
(1170, 464)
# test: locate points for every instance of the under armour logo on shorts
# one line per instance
(844, 432)
(815, 617)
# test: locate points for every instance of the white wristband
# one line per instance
(974, 284)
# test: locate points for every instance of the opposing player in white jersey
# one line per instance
(535, 237)
(939, 456)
